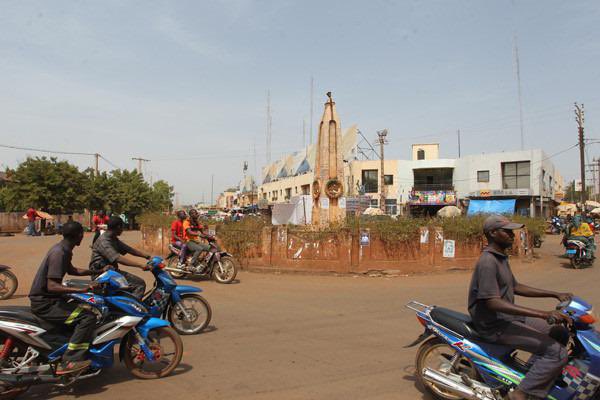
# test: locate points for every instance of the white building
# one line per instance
(426, 183)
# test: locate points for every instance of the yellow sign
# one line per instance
(484, 193)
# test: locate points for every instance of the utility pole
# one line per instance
(140, 161)
(518, 68)
(212, 185)
(458, 134)
(382, 140)
(269, 126)
(312, 90)
(96, 168)
(580, 118)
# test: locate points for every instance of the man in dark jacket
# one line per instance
(48, 302)
(498, 319)
(108, 250)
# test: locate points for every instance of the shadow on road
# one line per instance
(98, 384)
(410, 377)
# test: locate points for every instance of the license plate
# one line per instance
(571, 251)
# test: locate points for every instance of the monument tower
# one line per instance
(329, 168)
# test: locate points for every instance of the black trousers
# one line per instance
(548, 356)
(58, 311)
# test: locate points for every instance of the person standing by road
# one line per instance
(499, 320)
(32, 215)
(110, 251)
(100, 220)
(48, 303)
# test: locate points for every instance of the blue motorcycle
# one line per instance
(32, 347)
(187, 311)
(453, 362)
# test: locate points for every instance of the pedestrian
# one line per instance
(99, 223)
(32, 215)
(48, 301)
(177, 237)
(499, 320)
(108, 250)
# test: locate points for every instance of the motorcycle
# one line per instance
(217, 264)
(32, 347)
(453, 362)
(8, 282)
(577, 253)
(187, 311)
(556, 226)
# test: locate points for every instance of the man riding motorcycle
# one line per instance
(47, 301)
(581, 231)
(177, 236)
(193, 232)
(108, 250)
(499, 320)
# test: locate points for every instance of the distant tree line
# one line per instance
(59, 187)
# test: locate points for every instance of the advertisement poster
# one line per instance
(449, 248)
(364, 238)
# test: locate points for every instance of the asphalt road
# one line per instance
(296, 336)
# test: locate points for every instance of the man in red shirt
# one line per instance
(31, 217)
(99, 219)
(177, 236)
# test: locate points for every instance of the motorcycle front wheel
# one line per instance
(167, 348)
(224, 270)
(437, 354)
(8, 284)
(191, 315)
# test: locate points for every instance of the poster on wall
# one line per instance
(364, 238)
(325, 203)
(449, 248)
(424, 235)
(342, 202)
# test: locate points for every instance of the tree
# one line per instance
(99, 186)
(48, 184)
(128, 193)
(162, 195)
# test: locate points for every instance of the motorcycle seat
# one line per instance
(455, 321)
(22, 313)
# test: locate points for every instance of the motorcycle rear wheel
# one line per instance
(158, 339)
(576, 262)
(436, 354)
(200, 310)
(226, 272)
(8, 284)
(172, 265)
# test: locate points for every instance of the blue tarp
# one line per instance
(491, 207)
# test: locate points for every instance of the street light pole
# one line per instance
(580, 118)
(382, 140)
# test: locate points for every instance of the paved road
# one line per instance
(296, 336)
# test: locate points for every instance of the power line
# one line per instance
(46, 150)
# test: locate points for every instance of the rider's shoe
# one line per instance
(69, 367)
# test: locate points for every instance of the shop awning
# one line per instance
(491, 207)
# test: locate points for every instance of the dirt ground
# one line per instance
(296, 336)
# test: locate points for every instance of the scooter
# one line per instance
(217, 264)
(454, 362)
(32, 347)
(577, 253)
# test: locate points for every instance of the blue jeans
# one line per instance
(31, 229)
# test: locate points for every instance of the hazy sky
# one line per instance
(188, 80)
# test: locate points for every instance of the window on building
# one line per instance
(388, 179)
(264, 196)
(391, 206)
(516, 175)
(420, 154)
(483, 176)
(374, 203)
(305, 189)
(433, 178)
(370, 180)
(288, 193)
